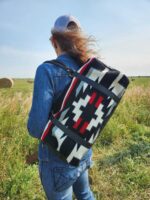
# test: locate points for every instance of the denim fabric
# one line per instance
(50, 80)
(49, 83)
(60, 180)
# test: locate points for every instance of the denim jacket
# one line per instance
(50, 80)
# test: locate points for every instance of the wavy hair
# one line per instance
(76, 44)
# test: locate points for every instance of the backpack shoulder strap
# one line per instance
(73, 73)
(61, 65)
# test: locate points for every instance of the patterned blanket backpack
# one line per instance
(89, 102)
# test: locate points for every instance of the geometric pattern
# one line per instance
(84, 110)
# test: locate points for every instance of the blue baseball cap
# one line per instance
(62, 23)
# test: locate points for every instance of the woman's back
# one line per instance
(59, 179)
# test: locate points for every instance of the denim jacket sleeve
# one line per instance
(43, 94)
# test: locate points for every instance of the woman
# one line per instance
(58, 178)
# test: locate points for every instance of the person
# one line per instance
(72, 46)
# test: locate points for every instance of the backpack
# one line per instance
(88, 104)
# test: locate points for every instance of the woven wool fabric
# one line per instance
(85, 110)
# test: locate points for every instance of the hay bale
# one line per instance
(30, 81)
(6, 83)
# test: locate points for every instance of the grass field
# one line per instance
(121, 169)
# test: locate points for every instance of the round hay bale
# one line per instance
(30, 81)
(6, 83)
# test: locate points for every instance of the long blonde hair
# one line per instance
(76, 44)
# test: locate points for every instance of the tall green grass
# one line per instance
(121, 155)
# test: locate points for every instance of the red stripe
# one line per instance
(80, 71)
(92, 98)
(74, 81)
(46, 131)
(76, 124)
(100, 99)
(73, 85)
(83, 128)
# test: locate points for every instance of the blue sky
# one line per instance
(122, 30)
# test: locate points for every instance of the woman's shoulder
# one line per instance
(69, 61)
(53, 69)
(47, 67)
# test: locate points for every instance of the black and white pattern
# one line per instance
(85, 110)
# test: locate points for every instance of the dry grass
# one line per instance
(121, 154)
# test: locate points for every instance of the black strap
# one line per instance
(100, 88)
(70, 133)
(63, 66)
(73, 73)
